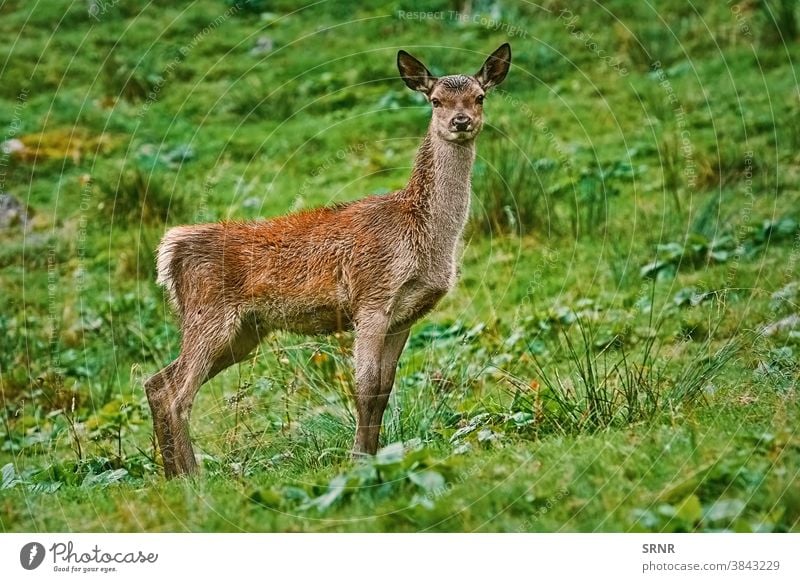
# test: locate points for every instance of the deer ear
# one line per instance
(495, 69)
(414, 73)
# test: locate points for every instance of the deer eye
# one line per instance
(435, 102)
(479, 99)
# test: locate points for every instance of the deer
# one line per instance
(374, 267)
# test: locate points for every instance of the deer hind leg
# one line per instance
(205, 352)
(158, 389)
(376, 355)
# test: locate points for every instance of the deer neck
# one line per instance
(440, 186)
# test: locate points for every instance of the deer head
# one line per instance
(457, 100)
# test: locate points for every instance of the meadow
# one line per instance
(620, 352)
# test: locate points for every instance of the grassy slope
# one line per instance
(323, 118)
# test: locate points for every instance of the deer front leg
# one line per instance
(368, 351)
(392, 348)
(376, 352)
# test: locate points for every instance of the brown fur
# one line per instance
(374, 266)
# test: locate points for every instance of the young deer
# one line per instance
(374, 266)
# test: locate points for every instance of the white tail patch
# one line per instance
(164, 261)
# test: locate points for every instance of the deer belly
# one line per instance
(416, 301)
(303, 318)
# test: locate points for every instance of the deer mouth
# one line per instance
(464, 135)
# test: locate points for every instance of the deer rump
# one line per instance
(307, 272)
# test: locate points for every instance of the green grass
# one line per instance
(599, 366)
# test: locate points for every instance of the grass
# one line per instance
(600, 365)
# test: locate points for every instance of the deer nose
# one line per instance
(461, 122)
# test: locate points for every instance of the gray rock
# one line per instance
(12, 146)
(13, 213)
(264, 45)
(785, 324)
(785, 296)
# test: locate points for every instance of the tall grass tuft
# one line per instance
(605, 389)
(511, 186)
(132, 80)
(133, 195)
(517, 191)
(779, 21)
